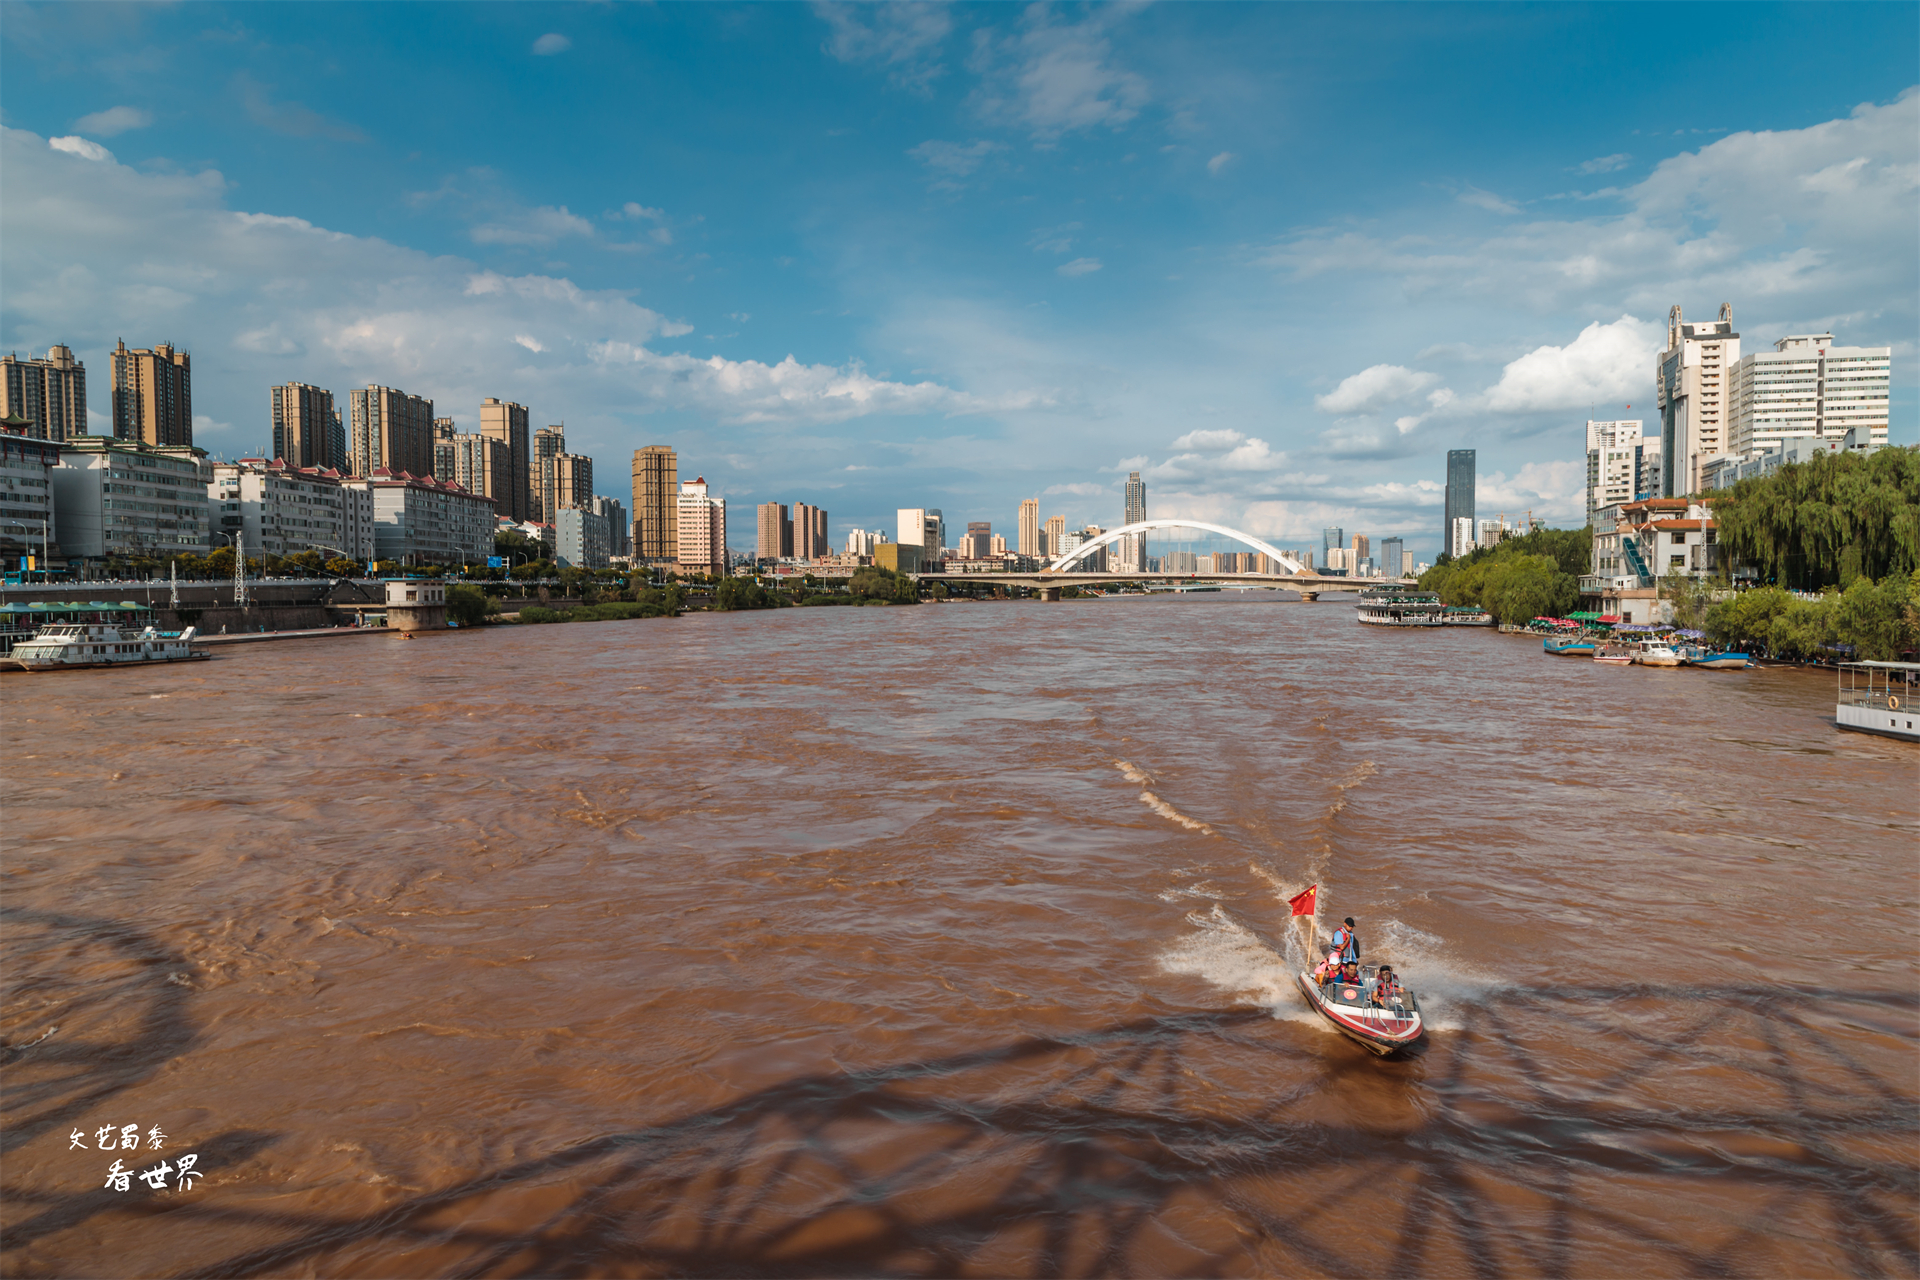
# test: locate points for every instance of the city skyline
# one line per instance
(924, 280)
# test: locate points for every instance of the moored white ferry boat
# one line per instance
(73, 645)
(1465, 616)
(1400, 609)
(1657, 653)
(1879, 697)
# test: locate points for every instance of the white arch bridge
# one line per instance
(1062, 571)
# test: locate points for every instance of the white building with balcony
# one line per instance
(124, 498)
(420, 520)
(1808, 387)
(282, 510)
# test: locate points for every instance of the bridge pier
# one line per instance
(1048, 593)
(1307, 597)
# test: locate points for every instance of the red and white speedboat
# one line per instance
(1350, 1007)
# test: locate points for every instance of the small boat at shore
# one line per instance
(1619, 655)
(1656, 653)
(1350, 1006)
(1570, 646)
(1878, 698)
(1695, 655)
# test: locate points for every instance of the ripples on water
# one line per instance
(953, 940)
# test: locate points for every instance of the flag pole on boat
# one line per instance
(1303, 904)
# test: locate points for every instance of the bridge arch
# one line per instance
(1112, 536)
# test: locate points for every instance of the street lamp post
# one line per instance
(44, 562)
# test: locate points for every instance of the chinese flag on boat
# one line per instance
(1303, 903)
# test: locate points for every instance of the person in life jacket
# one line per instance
(1323, 972)
(1386, 987)
(1347, 942)
(1349, 973)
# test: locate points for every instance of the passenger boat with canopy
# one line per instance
(1879, 697)
(1382, 1020)
(102, 635)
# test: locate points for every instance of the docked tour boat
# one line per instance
(1349, 1006)
(1465, 616)
(74, 645)
(1575, 646)
(1400, 609)
(1619, 655)
(1657, 653)
(1879, 697)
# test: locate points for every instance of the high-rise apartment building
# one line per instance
(1692, 386)
(656, 490)
(507, 422)
(1333, 537)
(1461, 537)
(1129, 553)
(1362, 548)
(479, 464)
(1056, 531)
(810, 532)
(1614, 452)
(566, 480)
(51, 394)
(773, 536)
(391, 431)
(702, 524)
(542, 502)
(153, 395)
(1459, 499)
(1029, 541)
(303, 425)
(861, 542)
(979, 541)
(619, 532)
(1808, 387)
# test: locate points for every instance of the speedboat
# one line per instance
(1657, 653)
(1713, 659)
(1350, 1008)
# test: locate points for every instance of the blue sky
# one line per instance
(1278, 257)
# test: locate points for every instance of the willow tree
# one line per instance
(1827, 521)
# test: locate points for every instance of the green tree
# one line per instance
(1827, 521)
(743, 593)
(1517, 589)
(874, 582)
(468, 605)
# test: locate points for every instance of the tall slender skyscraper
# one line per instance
(50, 393)
(702, 529)
(1333, 536)
(548, 444)
(656, 499)
(507, 423)
(1029, 544)
(391, 429)
(774, 529)
(303, 419)
(153, 394)
(1056, 532)
(1459, 504)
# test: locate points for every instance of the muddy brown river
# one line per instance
(952, 941)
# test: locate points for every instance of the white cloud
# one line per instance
(1219, 162)
(530, 342)
(533, 226)
(1054, 78)
(1081, 490)
(551, 43)
(1554, 491)
(904, 38)
(80, 147)
(103, 249)
(114, 121)
(636, 210)
(1606, 362)
(1078, 267)
(1813, 221)
(1605, 164)
(294, 119)
(953, 159)
(1487, 200)
(1375, 388)
(1225, 438)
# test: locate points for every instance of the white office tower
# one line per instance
(1691, 382)
(1613, 463)
(922, 527)
(1807, 387)
(702, 529)
(1461, 537)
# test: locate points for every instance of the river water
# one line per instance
(953, 941)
